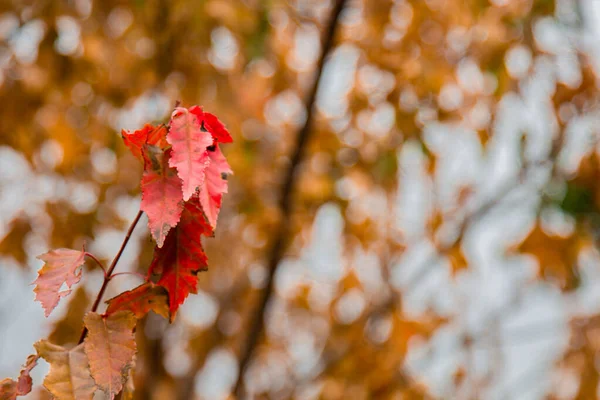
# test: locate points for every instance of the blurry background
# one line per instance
(440, 238)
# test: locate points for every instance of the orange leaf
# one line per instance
(140, 300)
(556, 255)
(152, 135)
(457, 259)
(60, 268)
(110, 347)
(69, 377)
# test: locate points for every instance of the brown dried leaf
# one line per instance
(110, 347)
(69, 377)
(9, 389)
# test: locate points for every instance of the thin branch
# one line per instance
(111, 268)
(281, 232)
(93, 257)
(141, 276)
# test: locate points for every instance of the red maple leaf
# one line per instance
(189, 143)
(140, 300)
(162, 199)
(182, 256)
(152, 135)
(215, 184)
(182, 190)
(212, 124)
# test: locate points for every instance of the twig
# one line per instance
(128, 273)
(93, 257)
(111, 268)
(281, 233)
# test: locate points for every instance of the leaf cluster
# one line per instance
(182, 185)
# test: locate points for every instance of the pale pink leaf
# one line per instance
(189, 143)
(214, 185)
(61, 267)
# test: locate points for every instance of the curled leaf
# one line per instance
(212, 124)
(10, 389)
(110, 347)
(151, 135)
(141, 300)
(60, 268)
(69, 377)
(189, 143)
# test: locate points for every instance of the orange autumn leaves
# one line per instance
(182, 186)
(556, 255)
(101, 362)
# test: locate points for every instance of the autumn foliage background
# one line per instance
(438, 237)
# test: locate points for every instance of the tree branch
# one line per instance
(281, 232)
(111, 268)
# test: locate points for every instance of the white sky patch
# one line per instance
(307, 48)
(25, 42)
(69, 35)
(218, 376)
(338, 80)
(224, 49)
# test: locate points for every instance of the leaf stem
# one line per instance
(129, 273)
(90, 255)
(111, 268)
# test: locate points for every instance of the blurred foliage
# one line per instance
(426, 109)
